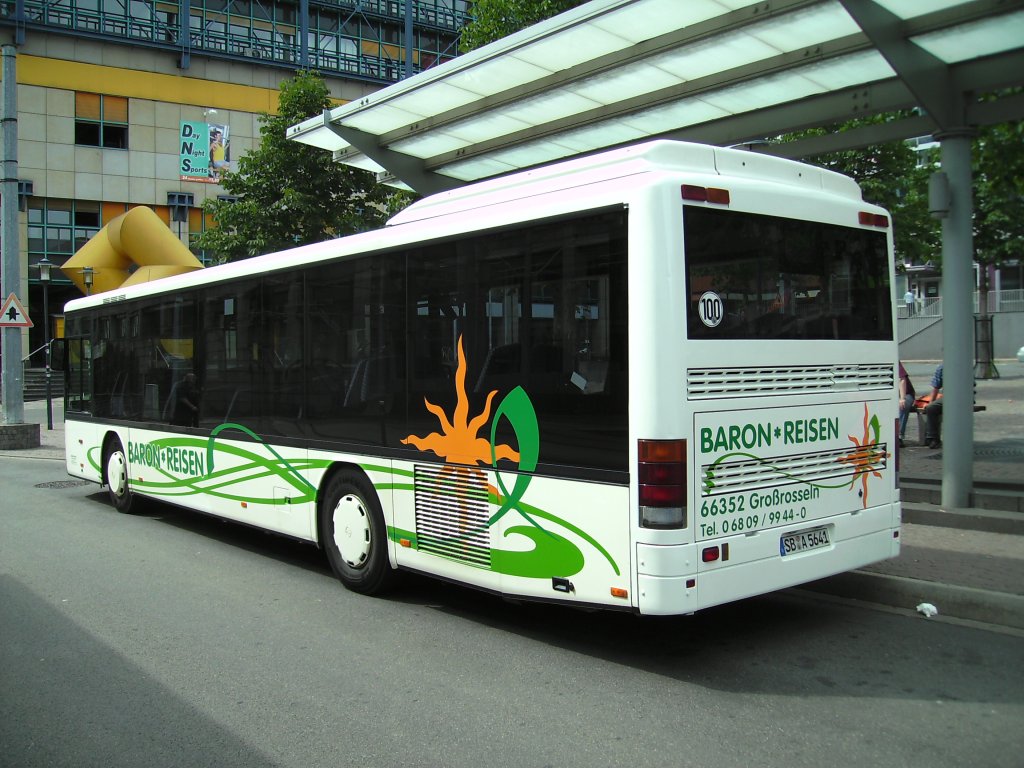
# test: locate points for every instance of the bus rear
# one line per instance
(763, 397)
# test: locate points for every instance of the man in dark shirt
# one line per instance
(186, 405)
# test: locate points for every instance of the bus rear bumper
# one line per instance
(871, 537)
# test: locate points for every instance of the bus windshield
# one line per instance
(779, 278)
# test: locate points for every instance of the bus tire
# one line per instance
(115, 473)
(355, 537)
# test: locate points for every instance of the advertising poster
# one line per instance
(204, 153)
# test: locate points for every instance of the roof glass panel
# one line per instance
(908, 9)
(429, 144)
(680, 114)
(485, 126)
(712, 55)
(497, 75)
(588, 44)
(805, 27)
(653, 18)
(440, 97)
(971, 41)
(549, 106)
(532, 153)
(846, 71)
(477, 168)
(603, 134)
(381, 119)
(625, 83)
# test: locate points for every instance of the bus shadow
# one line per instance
(228, 532)
(787, 643)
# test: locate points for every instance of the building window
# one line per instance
(58, 228)
(101, 121)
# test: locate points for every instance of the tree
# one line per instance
(998, 225)
(999, 193)
(287, 193)
(890, 175)
(495, 19)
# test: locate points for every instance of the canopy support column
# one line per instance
(958, 322)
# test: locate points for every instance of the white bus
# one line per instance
(656, 379)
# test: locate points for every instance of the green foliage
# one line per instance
(893, 176)
(495, 19)
(998, 160)
(291, 194)
(889, 175)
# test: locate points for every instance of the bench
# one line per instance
(922, 421)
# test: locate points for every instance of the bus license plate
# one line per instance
(801, 541)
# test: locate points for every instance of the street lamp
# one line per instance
(45, 265)
(87, 275)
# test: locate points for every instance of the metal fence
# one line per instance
(998, 301)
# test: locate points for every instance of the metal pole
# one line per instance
(13, 372)
(408, 38)
(957, 324)
(46, 336)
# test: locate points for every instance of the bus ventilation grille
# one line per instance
(710, 383)
(452, 513)
(832, 468)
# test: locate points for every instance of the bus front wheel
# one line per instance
(115, 465)
(354, 534)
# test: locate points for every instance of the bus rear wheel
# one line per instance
(354, 534)
(115, 467)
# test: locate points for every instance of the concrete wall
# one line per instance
(1007, 333)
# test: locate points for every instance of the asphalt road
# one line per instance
(169, 639)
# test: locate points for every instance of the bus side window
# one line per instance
(79, 375)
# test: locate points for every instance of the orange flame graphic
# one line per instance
(865, 458)
(457, 443)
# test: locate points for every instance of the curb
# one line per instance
(987, 494)
(973, 519)
(958, 602)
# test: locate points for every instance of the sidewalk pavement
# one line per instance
(968, 563)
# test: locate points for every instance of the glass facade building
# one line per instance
(353, 38)
(106, 87)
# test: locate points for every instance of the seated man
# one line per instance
(933, 412)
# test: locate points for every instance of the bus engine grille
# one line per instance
(824, 469)
(710, 383)
(452, 513)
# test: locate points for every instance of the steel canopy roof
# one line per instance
(723, 72)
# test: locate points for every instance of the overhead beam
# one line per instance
(408, 169)
(925, 75)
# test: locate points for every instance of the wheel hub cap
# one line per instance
(116, 476)
(352, 530)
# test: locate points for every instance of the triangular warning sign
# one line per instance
(13, 315)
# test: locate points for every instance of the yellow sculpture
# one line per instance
(136, 237)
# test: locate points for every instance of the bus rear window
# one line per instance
(751, 276)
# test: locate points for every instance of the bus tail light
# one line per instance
(869, 219)
(705, 194)
(662, 480)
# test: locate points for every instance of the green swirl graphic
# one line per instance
(216, 482)
(517, 408)
(300, 482)
(552, 555)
